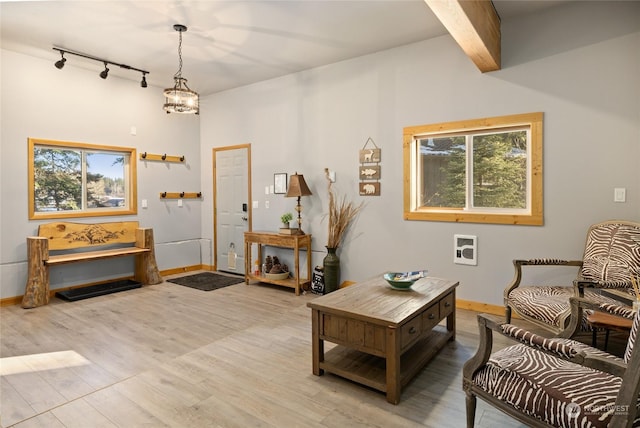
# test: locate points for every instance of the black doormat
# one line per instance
(98, 290)
(206, 281)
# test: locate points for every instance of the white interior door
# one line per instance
(231, 207)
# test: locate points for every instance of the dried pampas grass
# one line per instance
(341, 213)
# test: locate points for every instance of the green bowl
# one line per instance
(403, 280)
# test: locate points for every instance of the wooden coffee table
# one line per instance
(384, 336)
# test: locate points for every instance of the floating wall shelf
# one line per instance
(164, 157)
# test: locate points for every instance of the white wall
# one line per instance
(578, 63)
(74, 104)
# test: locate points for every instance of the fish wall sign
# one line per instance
(369, 171)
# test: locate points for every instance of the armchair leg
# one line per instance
(507, 314)
(471, 410)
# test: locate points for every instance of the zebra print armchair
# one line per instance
(611, 256)
(555, 382)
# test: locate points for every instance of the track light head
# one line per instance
(60, 63)
(104, 73)
(144, 80)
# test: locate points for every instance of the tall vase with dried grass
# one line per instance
(341, 214)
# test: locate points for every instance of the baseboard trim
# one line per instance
(484, 308)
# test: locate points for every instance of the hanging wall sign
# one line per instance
(369, 172)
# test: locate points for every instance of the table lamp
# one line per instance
(298, 188)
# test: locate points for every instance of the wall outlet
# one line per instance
(465, 250)
(619, 194)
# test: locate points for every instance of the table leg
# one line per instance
(247, 261)
(317, 344)
(393, 366)
(296, 258)
(309, 263)
(451, 319)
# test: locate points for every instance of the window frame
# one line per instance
(130, 180)
(534, 213)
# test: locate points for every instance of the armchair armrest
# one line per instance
(487, 324)
(578, 304)
(597, 360)
(519, 263)
(551, 346)
(581, 283)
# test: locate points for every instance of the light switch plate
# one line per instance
(619, 194)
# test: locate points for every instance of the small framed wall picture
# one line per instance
(280, 183)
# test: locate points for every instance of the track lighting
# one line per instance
(60, 63)
(104, 73)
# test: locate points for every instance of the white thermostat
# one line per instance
(465, 250)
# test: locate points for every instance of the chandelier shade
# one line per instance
(180, 98)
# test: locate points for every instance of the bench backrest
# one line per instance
(65, 236)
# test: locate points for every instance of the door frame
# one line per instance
(214, 151)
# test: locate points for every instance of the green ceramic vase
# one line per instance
(331, 264)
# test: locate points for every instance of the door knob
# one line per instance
(244, 219)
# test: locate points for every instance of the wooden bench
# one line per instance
(104, 240)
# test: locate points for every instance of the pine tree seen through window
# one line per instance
(486, 170)
(80, 180)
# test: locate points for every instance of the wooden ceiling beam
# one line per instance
(475, 26)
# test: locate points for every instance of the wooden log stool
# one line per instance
(607, 322)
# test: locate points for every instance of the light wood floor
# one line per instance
(167, 355)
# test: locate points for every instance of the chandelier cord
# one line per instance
(178, 74)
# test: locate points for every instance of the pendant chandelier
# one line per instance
(181, 99)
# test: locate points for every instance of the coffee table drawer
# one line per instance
(447, 305)
(410, 332)
(431, 317)
(357, 334)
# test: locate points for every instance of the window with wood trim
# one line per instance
(80, 180)
(476, 171)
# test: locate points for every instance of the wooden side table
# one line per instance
(271, 239)
(608, 322)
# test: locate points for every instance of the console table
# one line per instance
(271, 239)
(384, 336)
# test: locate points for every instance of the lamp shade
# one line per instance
(297, 186)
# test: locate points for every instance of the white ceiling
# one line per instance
(228, 43)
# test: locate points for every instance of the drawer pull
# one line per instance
(447, 304)
(432, 316)
(412, 330)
